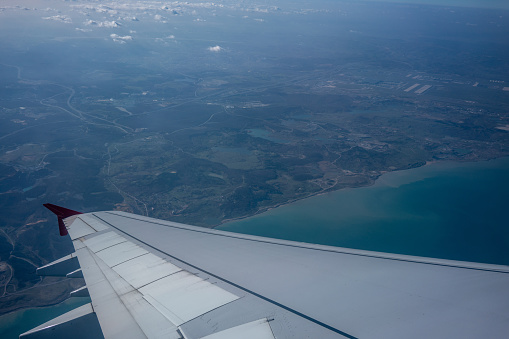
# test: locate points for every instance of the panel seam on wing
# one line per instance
(125, 240)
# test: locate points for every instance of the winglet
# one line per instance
(61, 213)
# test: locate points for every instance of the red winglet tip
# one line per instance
(61, 227)
(61, 213)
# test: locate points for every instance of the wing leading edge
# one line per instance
(149, 278)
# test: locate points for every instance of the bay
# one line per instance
(443, 210)
(15, 323)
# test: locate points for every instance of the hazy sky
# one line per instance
(462, 3)
(467, 3)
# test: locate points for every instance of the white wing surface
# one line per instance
(149, 278)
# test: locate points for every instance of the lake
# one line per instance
(444, 210)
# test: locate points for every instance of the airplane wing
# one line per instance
(149, 278)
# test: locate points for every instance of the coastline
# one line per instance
(51, 291)
(269, 208)
(332, 189)
(292, 201)
(14, 323)
(449, 210)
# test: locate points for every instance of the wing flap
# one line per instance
(186, 296)
(115, 319)
(138, 294)
(153, 268)
(120, 253)
(258, 329)
(148, 318)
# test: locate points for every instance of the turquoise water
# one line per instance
(444, 210)
(15, 323)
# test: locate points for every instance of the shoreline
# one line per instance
(427, 163)
(451, 210)
(18, 321)
(266, 209)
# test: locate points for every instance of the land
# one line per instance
(167, 125)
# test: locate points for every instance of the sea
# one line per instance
(445, 210)
(448, 210)
(15, 323)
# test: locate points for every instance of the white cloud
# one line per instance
(109, 24)
(121, 39)
(61, 18)
(160, 18)
(215, 49)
